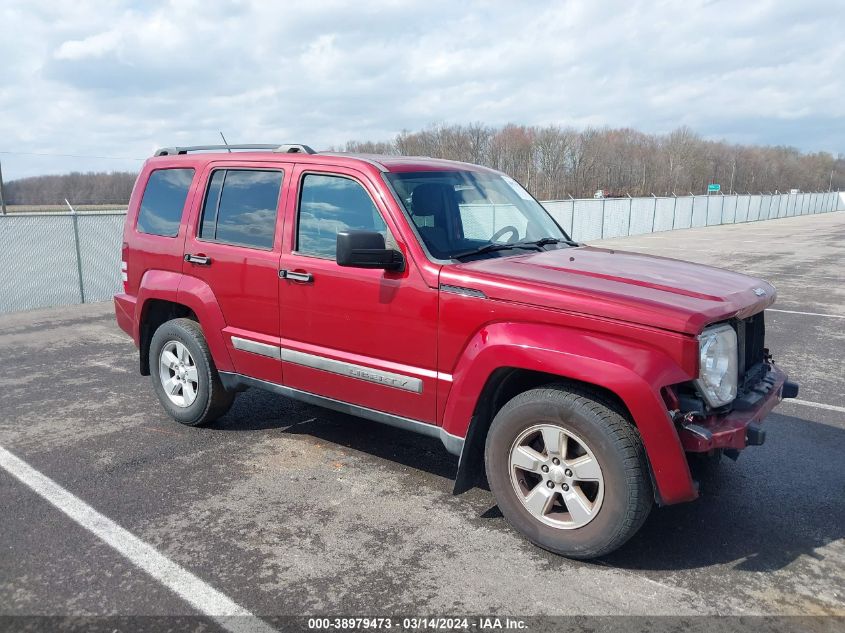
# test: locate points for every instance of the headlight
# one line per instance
(717, 370)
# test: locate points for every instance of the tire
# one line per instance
(609, 504)
(192, 402)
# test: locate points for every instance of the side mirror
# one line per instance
(366, 249)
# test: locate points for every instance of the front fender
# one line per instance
(635, 372)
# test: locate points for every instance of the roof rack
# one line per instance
(291, 148)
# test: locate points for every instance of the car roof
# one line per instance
(382, 162)
(394, 163)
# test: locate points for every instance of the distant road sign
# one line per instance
(714, 187)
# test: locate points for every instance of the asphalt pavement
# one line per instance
(286, 508)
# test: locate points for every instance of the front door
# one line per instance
(366, 337)
(233, 246)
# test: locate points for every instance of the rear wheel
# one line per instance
(184, 376)
(568, 471)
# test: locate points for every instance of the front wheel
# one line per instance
(568, 471)
(184, 376)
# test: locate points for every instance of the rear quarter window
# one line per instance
(163, 201)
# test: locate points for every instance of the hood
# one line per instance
(643, 289)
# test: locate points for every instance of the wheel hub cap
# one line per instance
(556, 475)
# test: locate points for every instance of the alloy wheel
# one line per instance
(556, 476)
(178, 374)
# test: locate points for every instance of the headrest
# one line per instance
(433, 198)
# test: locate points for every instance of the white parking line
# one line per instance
(829, 316)
(191, 589)
(817, 405)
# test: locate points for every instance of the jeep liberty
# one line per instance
(442, 298)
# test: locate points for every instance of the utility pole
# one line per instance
(2, 196)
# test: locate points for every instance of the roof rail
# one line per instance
(293, 148)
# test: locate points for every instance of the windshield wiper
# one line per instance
(489, 248)
(534, 244)
(545, 241)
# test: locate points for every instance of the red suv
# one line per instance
(441, 297)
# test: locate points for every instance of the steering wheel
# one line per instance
(506, 229)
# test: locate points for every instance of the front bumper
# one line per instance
(740, 427)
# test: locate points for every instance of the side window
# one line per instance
(163, 201)
(241, 207)
(328, 205)
(209, 209)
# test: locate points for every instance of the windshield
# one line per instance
(460, 213)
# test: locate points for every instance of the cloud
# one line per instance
(95, 46)
(121, 78)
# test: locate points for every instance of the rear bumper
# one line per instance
(124, 312)
(740, 427)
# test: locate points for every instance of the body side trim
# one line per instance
(339, 367)
(246, 345)
(461, 290)
(351, 370)
(452, 443)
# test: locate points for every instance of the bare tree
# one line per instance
(550, 161)
(80, 188)
(552, 145)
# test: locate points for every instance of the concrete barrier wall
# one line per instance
(587, 220)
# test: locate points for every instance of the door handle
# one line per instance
(297, 275)
(199, 260)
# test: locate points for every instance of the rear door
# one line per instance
(233, 246)
(366, 337)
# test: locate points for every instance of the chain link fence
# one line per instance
(52, 259)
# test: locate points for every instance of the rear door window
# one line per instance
(241, 207)
(163, 201)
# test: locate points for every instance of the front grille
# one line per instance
(751, 346)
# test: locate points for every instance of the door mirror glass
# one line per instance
(366, 249)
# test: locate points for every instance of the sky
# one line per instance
(118, 79)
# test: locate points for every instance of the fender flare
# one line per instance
(196, 295)
(155, 284)
(199, 297)
(633, 371)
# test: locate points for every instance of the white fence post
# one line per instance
(653, 212)
(674, 209)
(601, 232)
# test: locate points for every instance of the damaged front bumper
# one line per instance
(740, 427)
